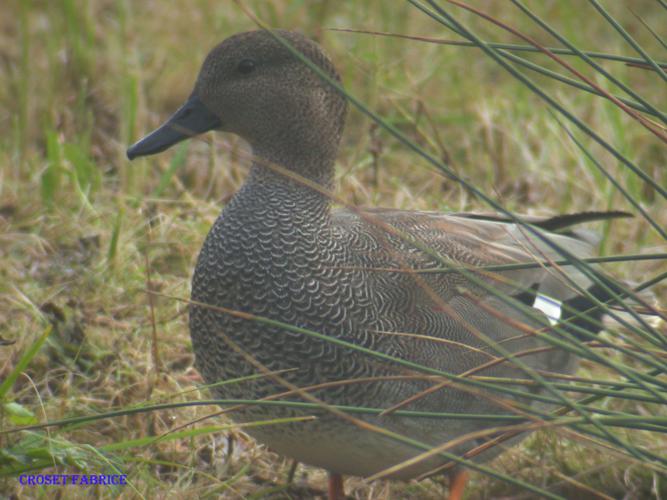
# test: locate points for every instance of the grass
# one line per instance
(85, 234)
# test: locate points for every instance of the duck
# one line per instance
(340, 307)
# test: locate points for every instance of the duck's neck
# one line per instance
(303, 167)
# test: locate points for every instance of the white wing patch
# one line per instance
(549, 306)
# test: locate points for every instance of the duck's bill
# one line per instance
(191, 119)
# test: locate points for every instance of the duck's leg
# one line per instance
(292, 471)
(457, 483)
(336, 488)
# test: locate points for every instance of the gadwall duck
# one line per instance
(280, 263)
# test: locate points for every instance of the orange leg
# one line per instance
(457, 483)
(336, 488)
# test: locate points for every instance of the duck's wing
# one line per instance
(385, 240)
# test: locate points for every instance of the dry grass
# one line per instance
(83, 79)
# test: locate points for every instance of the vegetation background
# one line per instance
(84, 234)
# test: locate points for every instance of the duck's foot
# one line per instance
(457, 484)
(336, 488)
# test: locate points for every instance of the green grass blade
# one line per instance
(631, 41)
(23, 363)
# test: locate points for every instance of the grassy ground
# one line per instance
(84, 233)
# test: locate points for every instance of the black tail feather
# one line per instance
(582, 312)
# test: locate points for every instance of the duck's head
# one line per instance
(253, 86)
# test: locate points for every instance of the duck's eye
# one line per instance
(246, 66)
